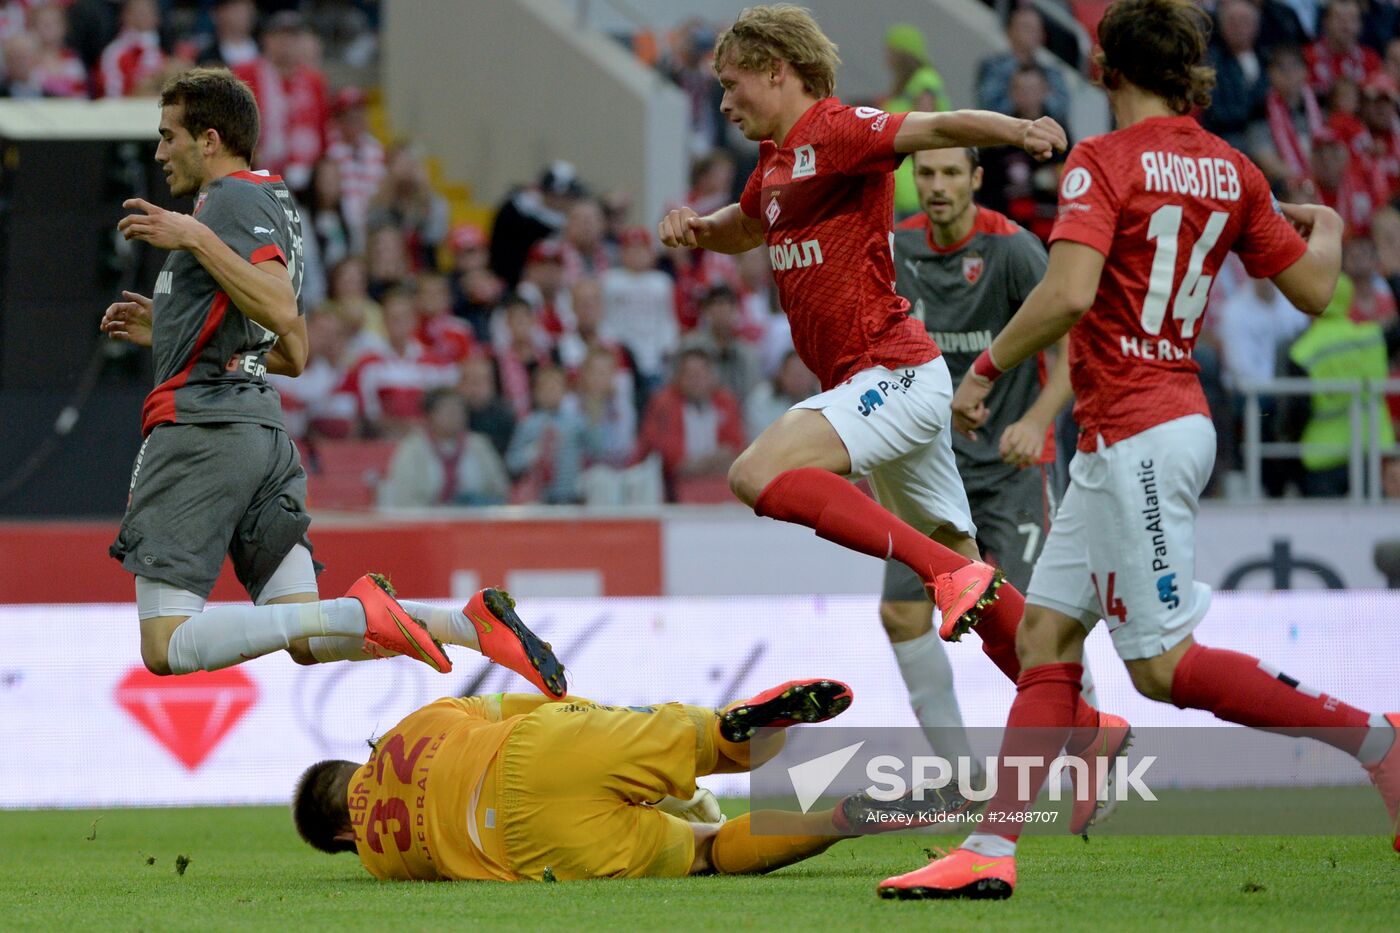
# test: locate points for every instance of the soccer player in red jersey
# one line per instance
(1147, 214)
(821, 199)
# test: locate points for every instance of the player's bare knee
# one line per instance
(747, 477)
(905, 620)
(154, 654)
(301, 653)
(1048, 637)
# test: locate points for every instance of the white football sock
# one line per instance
(990, 845)
(923, 663)
(449, 626)
(326, 648)
(225, 635)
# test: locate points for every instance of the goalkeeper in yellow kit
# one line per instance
(509, 786)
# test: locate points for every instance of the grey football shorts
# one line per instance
(1012, 517)
(200, 491)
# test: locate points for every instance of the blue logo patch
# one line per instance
(870, 400)
(1166, 591)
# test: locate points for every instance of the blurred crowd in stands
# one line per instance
(558, 354)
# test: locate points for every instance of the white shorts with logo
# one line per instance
(895, 426)
(1122, 546)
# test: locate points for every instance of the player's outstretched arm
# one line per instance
(1041, 138)
(1050, 310)
(288, 356)
(727, 230)
(1311, 280)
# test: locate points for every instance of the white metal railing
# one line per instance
(1364, 452)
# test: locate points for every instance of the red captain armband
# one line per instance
(985, 367)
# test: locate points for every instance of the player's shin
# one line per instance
(923, 664)
(788, 838)
(1037, 728)
(1242, 689)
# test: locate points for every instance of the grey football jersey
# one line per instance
(965, 295)
(210, 360)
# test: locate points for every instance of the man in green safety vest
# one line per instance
(916, 87)
(1336, 347)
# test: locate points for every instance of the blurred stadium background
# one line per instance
(480, 181)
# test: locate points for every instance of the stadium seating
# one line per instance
(345, 475)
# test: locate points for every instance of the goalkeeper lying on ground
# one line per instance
(507, 786)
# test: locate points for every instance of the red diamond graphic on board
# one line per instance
(190, 714)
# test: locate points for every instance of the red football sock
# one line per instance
(840, 512)
(998, 628)
(1047, 697)
(1238, 688)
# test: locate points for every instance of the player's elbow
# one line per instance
(294, 364)
(1072, 300)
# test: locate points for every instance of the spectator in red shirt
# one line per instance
(693, 424)
(391, 383)
(321, 402)
(521, 347)
(1341, 183)
(360, 157)
(475, 288)
(61, 72)
(1371, 298)
(133, 62)
(291, 95)
(1339, 52)
(542, 283)
(1281, 144)
(445, 336)
(1378, 144)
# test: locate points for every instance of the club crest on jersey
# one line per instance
(773, 211)
(804, 162)
(972, 268)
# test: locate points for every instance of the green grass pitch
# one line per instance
(247, 870)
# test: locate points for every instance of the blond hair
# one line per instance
(781, 32)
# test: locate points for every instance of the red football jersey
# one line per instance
(1163, 201)
(826, 199)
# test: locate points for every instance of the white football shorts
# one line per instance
(895, 424)
(1122, 546)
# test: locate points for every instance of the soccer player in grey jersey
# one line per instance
(965, 270)
(217, 472)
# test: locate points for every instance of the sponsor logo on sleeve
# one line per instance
(877, 117)
(1076, 183)
(804, 162)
